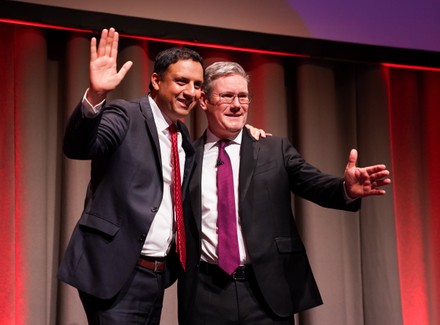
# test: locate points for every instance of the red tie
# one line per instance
(228, 253)
(180, 232)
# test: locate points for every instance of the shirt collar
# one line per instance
(212, 139)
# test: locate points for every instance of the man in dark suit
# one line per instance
(122, 254)
(271, 279)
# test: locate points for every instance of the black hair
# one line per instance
(172, 55)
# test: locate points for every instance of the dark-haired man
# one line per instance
(122, 253)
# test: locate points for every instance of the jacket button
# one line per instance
(142, 237)
(154, 209)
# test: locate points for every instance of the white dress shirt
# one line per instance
(161, 233)
(209, 197)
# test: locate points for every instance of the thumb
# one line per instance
(124, 69)
(352, 158)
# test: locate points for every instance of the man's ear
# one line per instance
(155, 80)
(203, 100)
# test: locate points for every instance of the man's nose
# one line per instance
(190, 90)
(235, 103)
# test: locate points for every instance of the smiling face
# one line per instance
(178, 90)
(226, 120)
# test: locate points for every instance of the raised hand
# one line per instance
(104, 75)
(366, 181)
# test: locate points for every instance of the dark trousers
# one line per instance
(139, 302)
(221, 300)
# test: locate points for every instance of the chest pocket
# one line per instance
(94, 223)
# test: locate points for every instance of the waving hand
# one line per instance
(104, 75)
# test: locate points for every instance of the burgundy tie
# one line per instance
(228, 254)
(177, 188)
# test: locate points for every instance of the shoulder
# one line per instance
(124, 104)
(128, 109)
(272, 146)
(268, 141)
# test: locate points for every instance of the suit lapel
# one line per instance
(189, 156)
(151, 129)
(186, 142)
(248, 160)
(195, 190)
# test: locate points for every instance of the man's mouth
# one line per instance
(186, 103)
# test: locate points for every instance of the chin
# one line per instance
(236, 128)
(183, 113)
(234, 131)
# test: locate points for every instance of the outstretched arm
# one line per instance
(104, 76)
(366, 181)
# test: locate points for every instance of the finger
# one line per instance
(102, 42)
(110, 40)
(377, 191)
(378, 175)
(381, 169)
(381, 182)
(114, 45)
(93, 53)
(352, 158)
(124, 69)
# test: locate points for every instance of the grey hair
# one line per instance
(222, 69)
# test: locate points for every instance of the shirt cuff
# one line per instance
(88, 109)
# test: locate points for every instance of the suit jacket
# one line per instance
(123, 196)
(270, 170)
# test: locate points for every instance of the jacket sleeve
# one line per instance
(87, 138)
(312, 184)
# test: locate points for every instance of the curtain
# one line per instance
(415, 127)
(377, 266)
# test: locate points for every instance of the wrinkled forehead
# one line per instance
(232, 83)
